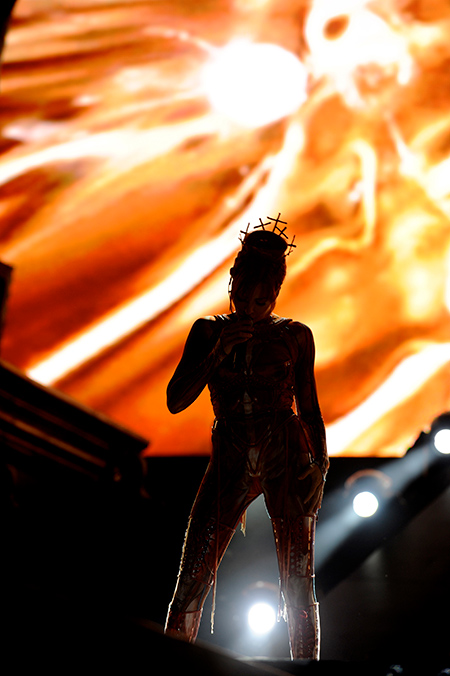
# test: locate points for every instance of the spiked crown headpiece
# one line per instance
(274, 239)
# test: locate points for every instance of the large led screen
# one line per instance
(139, 137)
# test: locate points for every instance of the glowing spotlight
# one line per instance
(441, 441)
(440, 433)
(365, 504)
(261, 618)
(255, 84)
(366, 488)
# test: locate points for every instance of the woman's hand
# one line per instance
(313, 499)
(236, 332)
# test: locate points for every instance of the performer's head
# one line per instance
(257, 274)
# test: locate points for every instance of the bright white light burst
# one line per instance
(254, 84)
(442, 441)
(261, 618)
(365, 504)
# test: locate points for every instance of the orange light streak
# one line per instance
(406, 379)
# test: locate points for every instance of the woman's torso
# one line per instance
(258, 378)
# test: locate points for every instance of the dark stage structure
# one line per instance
(91, 563)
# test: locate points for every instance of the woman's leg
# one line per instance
(294, 532)
(223, 497)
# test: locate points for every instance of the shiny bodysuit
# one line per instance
(267, 429)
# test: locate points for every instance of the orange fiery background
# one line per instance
(128, 165)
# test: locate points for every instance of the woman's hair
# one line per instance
(262, 260)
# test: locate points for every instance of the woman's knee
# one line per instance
(299, 591)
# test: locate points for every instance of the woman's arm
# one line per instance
(310, 415)
(306, 395)
(208, 343)
(202, 354)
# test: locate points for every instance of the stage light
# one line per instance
(442, 441)
(365, 504)
(367, 490)
(261, 618)
(440, 434)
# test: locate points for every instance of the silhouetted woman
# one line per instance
(268, 437)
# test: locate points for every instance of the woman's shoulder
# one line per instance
(302, 332)
(209, 324)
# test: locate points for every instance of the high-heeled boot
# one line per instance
(304, 632)
(294, 540)
(203, 549)
(186, 608)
